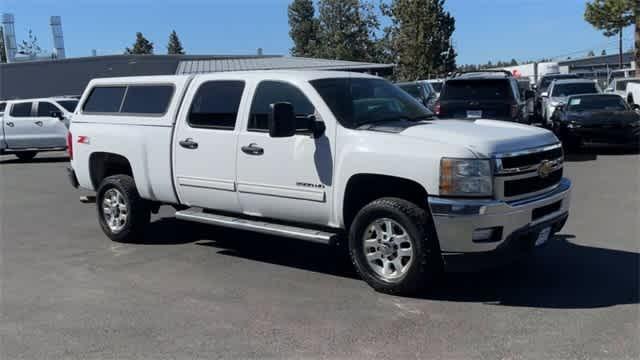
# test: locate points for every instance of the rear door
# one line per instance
(205, 144)
(20, 128)
(53, 130)
(477, 98)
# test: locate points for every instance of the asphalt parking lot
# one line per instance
(195, 292)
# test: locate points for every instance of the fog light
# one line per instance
(487, 235)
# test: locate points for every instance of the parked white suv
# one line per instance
(319, 156)
(31, 126)
(560, 90)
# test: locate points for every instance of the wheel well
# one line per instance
(102, 165)
(365, 188)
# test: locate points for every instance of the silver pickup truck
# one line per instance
(30, 126)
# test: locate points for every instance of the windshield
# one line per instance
(411, 89)
(477, 90)
(70, 105)
(546, 81)
(437, 86)
(357, 101)
(563, 90)
(591, 103)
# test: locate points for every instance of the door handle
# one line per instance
(10, 124)
(39, 123)
(252, 149)
(188, 144)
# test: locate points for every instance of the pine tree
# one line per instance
(346, 30)
(603, 53)
(175, 46)
(591, 53)
(611, 16)
(3, 51)
(420, 34)
(303, 28)
(142, 46)
(30, 47)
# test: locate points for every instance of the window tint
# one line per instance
(45, 109)
(562, 90)
(412, 89)
(21, 110)
(437, 86)
(70, 105)
(271, 92)
(216, 105)
(477, 90)
(104, 99)
(622, 85)
(2, 106)
(602, 103)
(149, 99)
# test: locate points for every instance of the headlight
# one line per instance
(465, 177)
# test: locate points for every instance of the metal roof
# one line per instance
(197, 66)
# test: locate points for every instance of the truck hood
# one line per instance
(483, 137)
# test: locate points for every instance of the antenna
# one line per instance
(58, 38)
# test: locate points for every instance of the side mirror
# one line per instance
(534, 87)
(282, 120)
(57, 114)
(529, 94)
(544, 94)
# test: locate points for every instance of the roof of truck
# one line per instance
(253, 75)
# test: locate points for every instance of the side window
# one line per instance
(45, 109)
(515, 89)
(147, 99)
(2, 106)
(104, 99)
(21, 109)
(270, 92)
(216, 104)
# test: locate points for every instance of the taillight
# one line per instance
(70, 145)
(436, 108)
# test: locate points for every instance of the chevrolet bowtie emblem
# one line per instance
(546, 167)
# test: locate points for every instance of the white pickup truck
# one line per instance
(319, 156)
(30, 126)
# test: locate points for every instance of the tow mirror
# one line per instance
(57, 114)
(282, 120)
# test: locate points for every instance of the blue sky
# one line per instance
(486, 29)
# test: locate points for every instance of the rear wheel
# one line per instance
(393, 247)
(122, 213)
(26, 155)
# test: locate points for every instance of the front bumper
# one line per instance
(456, 220)
(612, 135)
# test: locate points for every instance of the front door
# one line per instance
(205, 145)
(284, 178)
(53, 130)
(21, 129)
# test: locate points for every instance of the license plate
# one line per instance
(474, 114)
(543, 236)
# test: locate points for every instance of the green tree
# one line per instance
(513, 62)
(347, 30)
(3, 52)
(610, 16)
(175, 46)
(591, 53)
(303, 28)
(30, 47)
(603, 53)
(421, 33)
(142, 46)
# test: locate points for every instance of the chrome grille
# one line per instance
(528, 173)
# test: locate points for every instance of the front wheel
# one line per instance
(122, 213)
(393, 247)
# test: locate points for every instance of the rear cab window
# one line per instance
(478, 89)
(21, 109)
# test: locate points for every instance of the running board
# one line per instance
(317, 236)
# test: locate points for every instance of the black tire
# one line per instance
(26, 155)
(138, 209)
(425, 267)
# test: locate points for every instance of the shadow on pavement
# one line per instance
(560, 275)
(36, 160)
(171, 231)
(591, 152)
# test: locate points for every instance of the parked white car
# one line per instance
(30, 126)
(618, 86)
(560, 90)
(319, 156)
